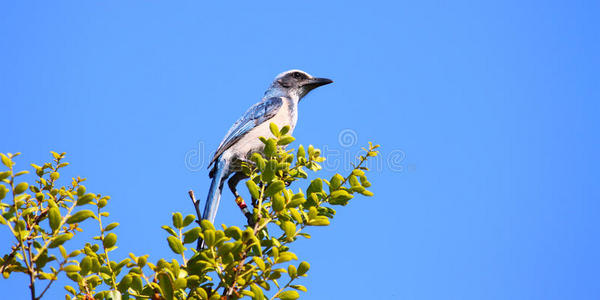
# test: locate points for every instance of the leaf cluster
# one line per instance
(255, 261)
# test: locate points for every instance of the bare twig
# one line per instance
(196, 206)
(199, 219)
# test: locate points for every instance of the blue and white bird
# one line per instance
(280, 106)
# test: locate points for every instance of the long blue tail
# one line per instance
(214, 194)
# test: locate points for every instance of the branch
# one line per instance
(199, 219)
(10, 257)
(281, 289)
(196, 206)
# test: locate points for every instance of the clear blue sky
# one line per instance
(487, 114)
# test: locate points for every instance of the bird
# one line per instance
(279, 105)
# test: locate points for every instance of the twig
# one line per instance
(283, 288)
(52, 280)
(196, 206)
(47, 287)
(199, 219)
(113, 277)
(9, 258)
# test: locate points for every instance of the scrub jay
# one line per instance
(280, 106)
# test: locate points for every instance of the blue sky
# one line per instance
(487, 113)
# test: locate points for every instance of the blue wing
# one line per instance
(254, 116)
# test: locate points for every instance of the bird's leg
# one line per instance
(233, 182)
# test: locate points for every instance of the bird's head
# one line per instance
(296, 82)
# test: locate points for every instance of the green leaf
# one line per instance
(270, 147)
(296, 215)
(21, 173)
(102, 203)
(259, 262)
(253, 189)
(206, 224)
(63, 252)
(358, 172)
(275, 274)
(269, 171)
(299, 287)
(188, 220)
(258, 293)
(59, 240)
(285, 129)
(316, 186)
(274, 129)
(275, 187)
(292, 271)
(278, 202)
(335, 182)
(233, 232)
(166, 286)
(284, 140)
(54, 218)
(85, 265)
(177, 220)
(209, 237)
(303, 268)
(225, 249)
(137, 284)
(258, 160)
(4, 175)
(6, 161)
(80, 216)
(285, 257)
(358, 189)
(70, 289)
(364, 181)
(175, 244)
(297, 199)
(289, 228)
(125, 283)
(180, 283)
(169, 230)
(353, 181)
(54, 175)
(3, 191)
(319, 221)
(55, 155)
(191, 235)
(301, 152)
(87, 198)
(141, 261)
(111, 226)
(80, 190)
(109, 240)
(367, 193)
(20, 188)
(340, 197)
(202, 293)
(72, 268)
(288, 295)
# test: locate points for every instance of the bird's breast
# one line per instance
(250, 143)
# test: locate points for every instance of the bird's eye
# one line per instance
(297, 75)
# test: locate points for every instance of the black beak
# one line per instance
(313, 83)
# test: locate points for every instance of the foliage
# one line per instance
(255, 261)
